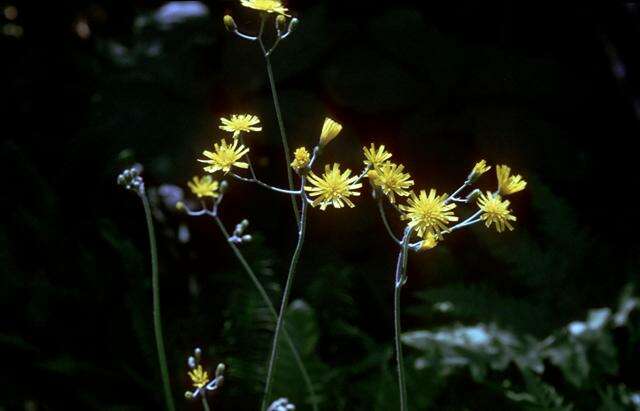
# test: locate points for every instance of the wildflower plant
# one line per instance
(428, 215)
(202, 382)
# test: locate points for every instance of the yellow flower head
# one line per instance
(495, 211)
(204, 187)
(508, 184)
(479, 169)
(375, 157)
(333, 187)
(430, 241)
(224, 157)
(301, 158)
(199, 377)
(270, 6)
(428, 214)
(330, 130)
(240, 123)
(391, 180)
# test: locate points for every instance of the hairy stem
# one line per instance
(401, 271)
(272, 310)
(157, 322)
(286, 294)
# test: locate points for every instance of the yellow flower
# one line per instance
(428, 214)
(199, 377)
(301, 158)
(333, 187)
(479, 169)
(391, 180)
(270, 6)
(430, 241)
(495, 211)
(240, 123)
(225, 157)
(375, 158)
(508, 184)
(330, 130)
(203, 187)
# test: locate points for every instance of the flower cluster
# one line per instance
(200, 378)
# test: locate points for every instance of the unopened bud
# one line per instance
(244, 223)
(223, 186)
(220, 370)
(179, 206)
(246, 238)
(229, 23)
(473, 195)
(293, 24)
(188, 395)
(192, 362)
(281, 23)
(198, 353)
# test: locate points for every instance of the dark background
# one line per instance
(90, 87)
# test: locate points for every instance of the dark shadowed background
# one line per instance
(550, 88)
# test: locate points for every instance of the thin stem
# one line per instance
(383, 215)
(401, 270)
(283, 135)
(286, 294)
(205, 403)
(455, 193)
(265, 185)
(157, 322)
(272, 310)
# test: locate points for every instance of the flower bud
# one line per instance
(246, 238)
(223, 186)
(179, 206)
(473, 195)
(188, 395)
(192, 362)
(220, 370)
(229, 23)
(293, 24)
(281, 23)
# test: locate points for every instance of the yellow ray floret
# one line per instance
(301, 158)
(199, 377)
(495, 211)
(224, 157)
(508, 184)
(203, 187)
(240, 123)
(270, 6)
(333, 188)
(375, 157)
(330, 129)
(430, 241)
(428, 214)
(479, 169)
(389, 178)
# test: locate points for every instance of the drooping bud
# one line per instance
(293, 24)
(229, 23)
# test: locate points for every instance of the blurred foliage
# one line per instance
(584, 351)
(441, 84)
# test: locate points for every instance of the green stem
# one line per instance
(283, 136)
(272, 310)
(205, 403)
(157, 322)
(401, 269)
(286, 294)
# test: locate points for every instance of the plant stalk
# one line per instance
(401, 270)
(157, 321)
(272, 310)
(286, 294)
